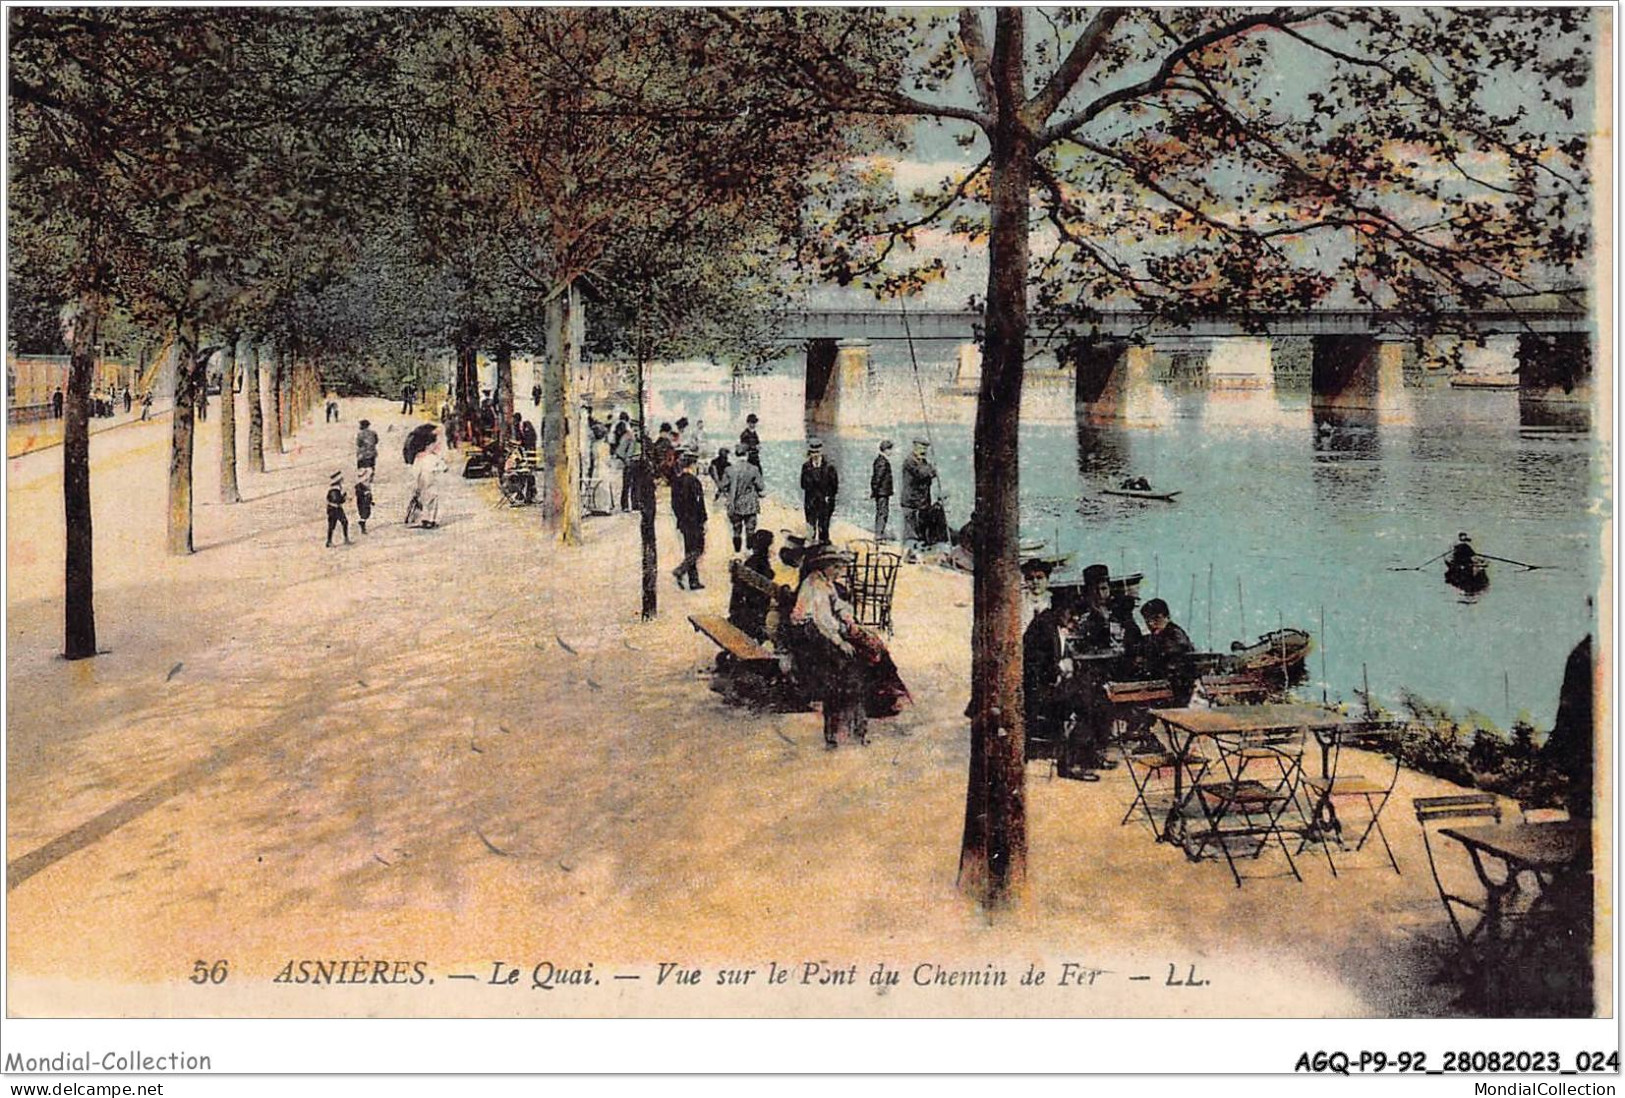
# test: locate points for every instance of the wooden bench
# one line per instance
(1139, 693)
(726, 636)
(1232, 689)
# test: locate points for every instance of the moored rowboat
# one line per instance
(1166, 497)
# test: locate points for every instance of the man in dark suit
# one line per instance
(751, 441)
(1045, 675)
(1165, 652)
(688, 508)
(819, 484)
(880, 488)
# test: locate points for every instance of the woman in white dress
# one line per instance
(428, 467)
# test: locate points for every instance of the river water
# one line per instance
(1285, 513)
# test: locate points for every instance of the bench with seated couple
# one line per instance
(761, 651)
(755, 664)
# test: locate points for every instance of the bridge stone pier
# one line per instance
(1556, 367)
(1115, 380)
(834, 368)
(1358, 372)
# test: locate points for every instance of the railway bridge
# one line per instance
(1355, 358)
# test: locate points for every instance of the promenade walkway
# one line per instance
(462, 746)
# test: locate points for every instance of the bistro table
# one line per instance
(1544, 851)
(1185, 725)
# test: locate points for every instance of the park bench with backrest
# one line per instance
(733, 641)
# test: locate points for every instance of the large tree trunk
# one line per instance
(561, 450)
(279, 367)
(993, 856)
(188, 377)
(228, 422)
(643, 485)
(79, 606)
(468, 388)
(256, 417)
(290, 401)
(504, 395)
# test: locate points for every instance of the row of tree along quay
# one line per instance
(336, 195)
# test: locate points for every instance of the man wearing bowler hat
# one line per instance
(688, 508)
(1084, 749)
(819, 484)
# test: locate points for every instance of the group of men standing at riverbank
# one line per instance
(820, 485)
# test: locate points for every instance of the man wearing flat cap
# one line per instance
(918, 473)
(819, 484)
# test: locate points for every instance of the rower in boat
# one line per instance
(1139, 488)
(1464, 569)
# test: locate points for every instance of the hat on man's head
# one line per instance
(815, 445)
(688, 457)
(1095, 573)
(336, 478)
(1156, 608)
(751, 418)
(366, 423)
(885, 444)
(1463, 536)
(922, 442)
(818, 556)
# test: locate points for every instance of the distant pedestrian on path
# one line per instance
(146, 405)
(366, 446)
(332, 408)
(719, 465)
(880, 488)
(751, 441)
(427, 465)
(335, 508)
(819, 485)
(742, 489)
(56, 404)
(409, 399)
(363, 496)
(126, 400)
(203, 401)
(621, 449)
(688, 508)
(536, 395)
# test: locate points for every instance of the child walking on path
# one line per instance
(363, 496)
(335, 508)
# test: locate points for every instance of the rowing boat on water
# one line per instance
(1468, 576)
(1167, 497)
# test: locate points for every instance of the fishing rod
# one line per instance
(925, 416)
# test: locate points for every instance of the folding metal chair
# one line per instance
(1152, 774)
(1326, 790)
(1149, 765)
(1477, 807)
(871, 580)
(1252, 809)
